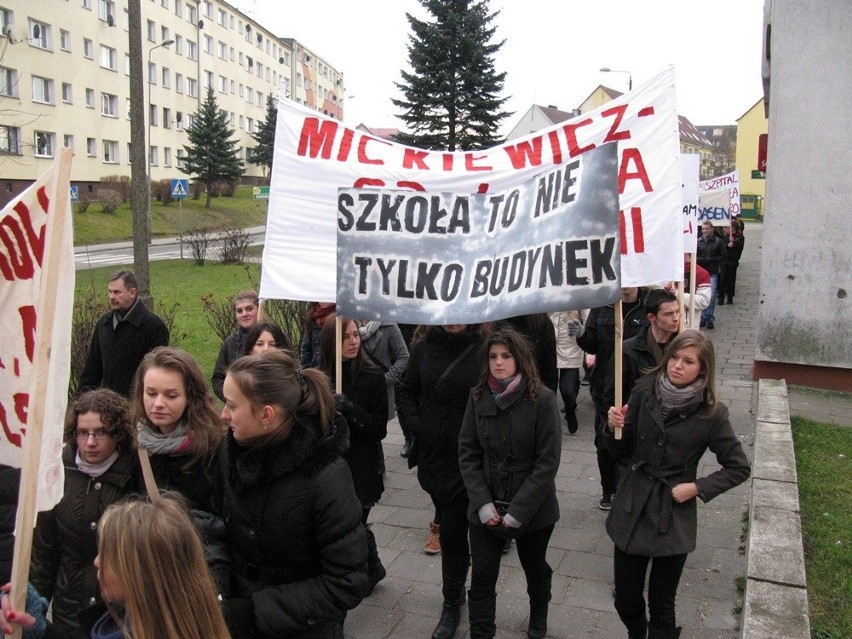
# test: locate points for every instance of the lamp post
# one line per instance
(629, 76)
(164, 43)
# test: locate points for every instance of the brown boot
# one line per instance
(433, 544)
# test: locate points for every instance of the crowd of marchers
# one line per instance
(259, 525)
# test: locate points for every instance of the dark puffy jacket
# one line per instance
(194, 483)
(664, 452)
(709, 253)
(228, 352)
(299, 550)
(434, 412)
(66, 537)
(9, 479)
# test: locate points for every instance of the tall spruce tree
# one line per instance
(265, 137)
(212, 155)
(452, 93)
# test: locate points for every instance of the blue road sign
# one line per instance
(75, 194)
(179, 188)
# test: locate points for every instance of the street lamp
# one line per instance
(164, 43)
(629, 76)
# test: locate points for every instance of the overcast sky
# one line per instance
(553, 50)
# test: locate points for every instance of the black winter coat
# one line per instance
(115, 353)
(294, 527)
(66, 538)
(709, 253)
(509, 450)
(228, 352)
(195, 483)
(9, 481)
(733, 253)
(664, 452)
(434, 412)
(368, 425)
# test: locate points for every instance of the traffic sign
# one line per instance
(260, 192)
(75, 194)
(180, 188)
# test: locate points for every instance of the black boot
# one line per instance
(454, 576)
(539, 593)
(375, 570)
(482, 614)
(657, 633)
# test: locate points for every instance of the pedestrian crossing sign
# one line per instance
(179, 188)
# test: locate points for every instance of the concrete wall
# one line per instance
(806, 271)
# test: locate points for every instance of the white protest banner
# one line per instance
(33, 234)
(730, 181)
(315, 156)
(547, 244)
(713, 207)
(690, 163)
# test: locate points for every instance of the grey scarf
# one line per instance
(673, 397)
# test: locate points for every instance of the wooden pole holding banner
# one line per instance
(57, 221)
(338, 355)
(680, 309)
(148, 475)
(619, 333)
(261, 307)
(692, 266)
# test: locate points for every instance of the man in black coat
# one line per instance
(122, 338)
(709, 254)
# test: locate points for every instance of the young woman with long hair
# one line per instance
(101, 468)
(265, 336)
(672, 418)
(176, 423)
(364, 404)
(293, 519)
(509, 450)
(441, 370)
(152, 575)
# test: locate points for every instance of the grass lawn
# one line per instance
(181, 282)
(825, 495)
(240, 211)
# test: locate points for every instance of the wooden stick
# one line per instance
(338, 355)
(680, 308)
(148, 475)
(260, 309)
(57, 222)
(692, 266)
(619, 332)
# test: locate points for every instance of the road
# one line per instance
(121, 253)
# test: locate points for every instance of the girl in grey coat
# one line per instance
(672, 418)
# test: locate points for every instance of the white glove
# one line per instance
(510, 522)
(576, 328)
(488, 513)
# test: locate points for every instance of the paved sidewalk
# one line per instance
(408, 602)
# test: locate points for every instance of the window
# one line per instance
(179, 82)
(191, 13)
(167, 156)
(152, 156)
(167, 118)
(129, 152)
(10, 139)
(8, 82)
(68, 141)
(42, 90)
(178, 8)
(164, 34)
(223, 18)
(66, 93)
(286, 56)
(7, 18)
(223, 84)
(88, 48)
(40, 35)
(190, 120)
(110, 152)
(151, 30)
(44, 144)
(261, 99)
(233, 86)
(108, 58)
(152, 114)
(126, 64)
(191, 50)
(208, 79)
(87, 4)
(179, 121)
(166, 77)
(250, 125)
(127, 107)
(180, 153)
(223, 50)
(109, 105)
(106, 11)
(242, 122)
(192, 87)
(91, 147)
(249, 95)
(152, 73)
(64, 40)
(164, 4)
(90, 98)
(208, 44)
(260, 70)
(179, 44)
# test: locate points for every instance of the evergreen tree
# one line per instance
(451, 96)
(265, 137)
(212, 155)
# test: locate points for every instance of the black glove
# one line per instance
(343, 405)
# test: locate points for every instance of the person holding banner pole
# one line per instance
(709, 254)
(672, 418)
(363, 402)
(442, 368)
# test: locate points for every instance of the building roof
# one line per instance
(747, 111)
(612, 93)
(384, 133)
(689, 133)
(555, 115)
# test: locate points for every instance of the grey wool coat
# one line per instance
(662, 453)
(510, 452)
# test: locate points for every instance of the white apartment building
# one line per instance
(64, 81)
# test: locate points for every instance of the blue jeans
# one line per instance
(708, 314)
